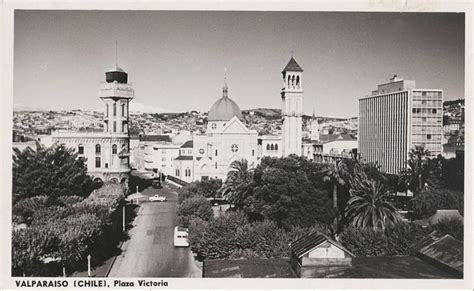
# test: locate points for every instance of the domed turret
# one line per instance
(116, 74)
(224, 108)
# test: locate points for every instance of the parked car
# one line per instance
(157, 198)
(180, 237)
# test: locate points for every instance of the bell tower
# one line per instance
(292, 109)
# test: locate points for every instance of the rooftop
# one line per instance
(247, 268)
(188, 144)
(309, 241)
(158, 137)
(292, 66)
(184, 158)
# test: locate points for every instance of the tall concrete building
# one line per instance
(397, 117)
(292, 109)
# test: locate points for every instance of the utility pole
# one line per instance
(137, 195)
(88, 265)
(123, 218)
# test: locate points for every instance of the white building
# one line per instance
(106, 152)
(228, 139)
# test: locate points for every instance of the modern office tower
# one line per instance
(397, 117)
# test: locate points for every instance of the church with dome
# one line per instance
(228, 139)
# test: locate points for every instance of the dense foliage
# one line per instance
(63, 231)
(290, 192)
(53, 172)
(428, 201)
(194, 207)
(232, 236)
(207, 188)
(396, 239)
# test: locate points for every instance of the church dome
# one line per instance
(224, 109)
(116, 74)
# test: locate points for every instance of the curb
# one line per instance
(113, 262)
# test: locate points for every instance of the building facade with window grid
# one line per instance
(396, 118)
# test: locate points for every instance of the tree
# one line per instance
(427, 202)
(238, 185)
(55, 171)
(415, 174)
(197, 206)
(289, 191)
(337, 174)
(369, 205)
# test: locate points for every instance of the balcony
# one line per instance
(116, 90)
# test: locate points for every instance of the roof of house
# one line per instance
(292, 66)
(325, 138)
(397, 267)
(310, 241)
(247, 268)
(157, 137)
(444, 250)
(184, 158)
(188, 144)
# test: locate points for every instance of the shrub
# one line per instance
(25, 208)
(451, 226)
(427, 202)
(396, 240)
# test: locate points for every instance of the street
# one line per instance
(149, 252)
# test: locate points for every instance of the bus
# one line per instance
(180, 237)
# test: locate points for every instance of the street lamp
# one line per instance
(88, 265)
(137, 195)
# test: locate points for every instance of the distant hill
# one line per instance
(265, 112)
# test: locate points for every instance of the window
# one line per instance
(177, 172)
(268, 147)
(80, 149)
(276, 147)
(163, 166)
(187, 172)
(434, 111)
(234, 148)
(97, 148)
(213, 126)
(253, 153)
(97, 162)
(163, 151)
(106, 165)
(201, 151)
(216, 153)
(123, 109)
(124, 126)
(182, 152)
(216, 165)
(106, 110)
(163, 159)
(190, 152)
(428, 136)
(272, 147)
(114, 149)
(115, 126)
(115, 109)
(423, 119)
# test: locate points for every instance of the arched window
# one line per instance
(272, 147)
(276, 147)
(115, 126)
(106, 110)
(80, 149)
(268, 147)
(115, 109)
(216, 165)
(114, 149)
(293, 81)
(123, 109)
(124, 147)
(297, 81)
(97, 148)
(97, 162)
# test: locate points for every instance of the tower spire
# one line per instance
(225, 89)
(116, 53)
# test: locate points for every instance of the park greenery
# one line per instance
(353, 202)
(58, 216)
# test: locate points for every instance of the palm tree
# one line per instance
(415, 173)
(337, 174)
(369, 205)
(238, 185)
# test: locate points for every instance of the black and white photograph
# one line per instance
(161, 144)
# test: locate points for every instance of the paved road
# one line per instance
(150, 252)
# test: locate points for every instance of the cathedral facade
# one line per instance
(228, 139)
(106, 152)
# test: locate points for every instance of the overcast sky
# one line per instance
(176, 60)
